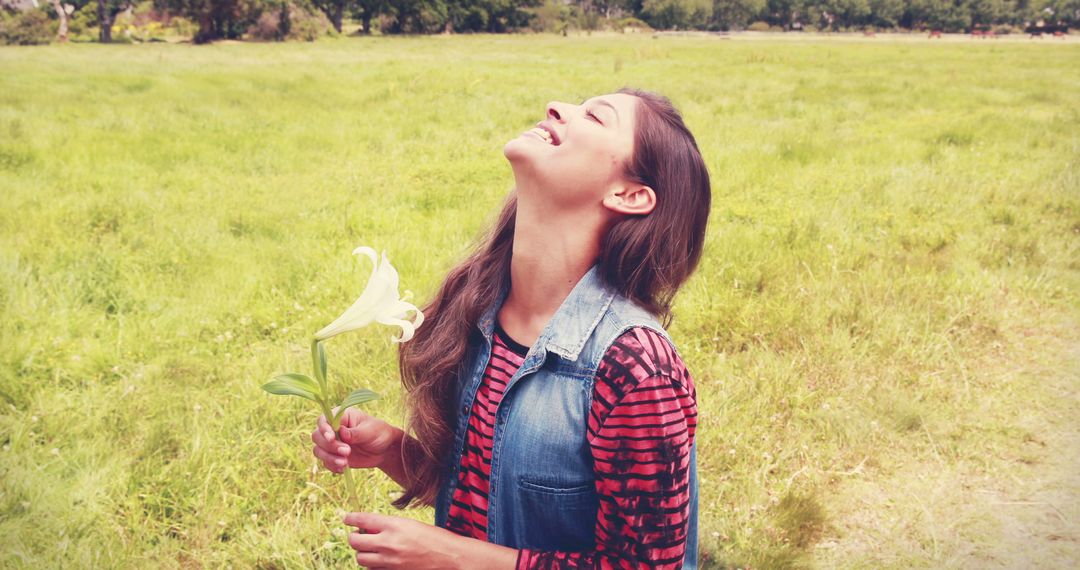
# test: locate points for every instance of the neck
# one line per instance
(552, 251)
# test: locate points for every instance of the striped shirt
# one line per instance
(640, 428)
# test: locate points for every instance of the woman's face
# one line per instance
(582, 154)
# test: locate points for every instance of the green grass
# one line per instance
(880, 330)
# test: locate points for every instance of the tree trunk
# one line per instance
(367, 24)
(336, 17)
(62, 33)
(206, 29)
(104, 23)
(285, 21)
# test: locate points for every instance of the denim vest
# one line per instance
(542, 487)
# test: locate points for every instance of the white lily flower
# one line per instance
(380, 302)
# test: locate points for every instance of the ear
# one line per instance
(632, 199)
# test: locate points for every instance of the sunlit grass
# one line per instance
(893, 244)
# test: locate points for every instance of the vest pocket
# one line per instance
(558, 516)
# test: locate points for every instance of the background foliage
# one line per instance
(882, 333)
(277, 19)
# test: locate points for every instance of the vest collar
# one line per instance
(574, 321)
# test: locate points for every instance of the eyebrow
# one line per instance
(603, 102)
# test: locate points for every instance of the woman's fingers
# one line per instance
(367, 549)
(363, 432)
(370, 561)
(323, 437)
(319, 438)
(325, 429)
(364, 542)
(352, 416)
(333, 462)
(372, 523)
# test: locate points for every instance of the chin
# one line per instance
(519, 151)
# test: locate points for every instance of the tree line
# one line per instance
(286, 19)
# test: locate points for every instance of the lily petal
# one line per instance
(401, 308)
(407, 328)
(378, 302)
(374, 257)
(395, 315)
(362, 312)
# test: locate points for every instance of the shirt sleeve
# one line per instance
(641, 428)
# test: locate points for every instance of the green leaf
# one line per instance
(358, 397)
(293, 384)
(318, 358)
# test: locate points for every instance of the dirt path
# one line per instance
(1015, 506)
(1039, 515)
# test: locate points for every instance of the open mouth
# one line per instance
(544, 134)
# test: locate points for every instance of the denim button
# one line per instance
(464, 409)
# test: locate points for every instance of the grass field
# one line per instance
(884, 331)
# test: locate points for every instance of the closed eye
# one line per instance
(589, 114)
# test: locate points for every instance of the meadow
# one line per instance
(884, 331)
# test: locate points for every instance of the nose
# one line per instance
(555, 110)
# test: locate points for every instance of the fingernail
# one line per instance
(343, 450)
(329, 435)
(340, 462)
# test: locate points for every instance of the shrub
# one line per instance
(29, 28)
(431, 18)
(551, 16)
(299, 23)
(267, 27)
(476, 18)
(631, 23)
(589, 21)
(138, 27)
(82, 24)
(758, 26)
(307, 25)
(181, 26)
(418, 17)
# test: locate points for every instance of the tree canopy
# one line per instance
(286, 19)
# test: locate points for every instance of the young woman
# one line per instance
(550, 418)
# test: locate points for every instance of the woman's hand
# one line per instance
(364, 441)
(394, 542)
(390, 543)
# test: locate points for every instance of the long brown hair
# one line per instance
(644, 257)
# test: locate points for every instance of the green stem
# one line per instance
(350, 485)
(329, 415)
(335, 422)
(319, 376)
